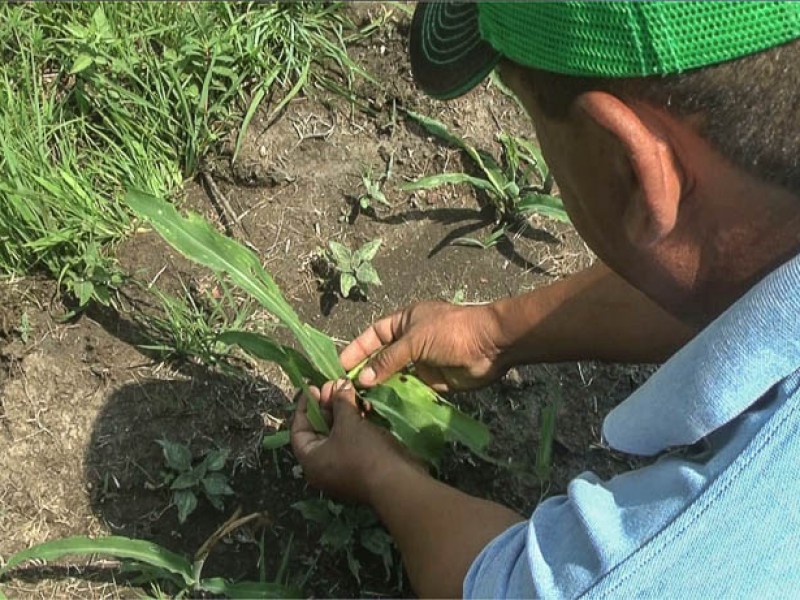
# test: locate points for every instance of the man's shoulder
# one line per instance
(693, 522)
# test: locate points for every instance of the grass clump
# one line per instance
(101, 97)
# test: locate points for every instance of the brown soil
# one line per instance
(83, 405)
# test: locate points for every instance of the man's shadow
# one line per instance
(124, 466)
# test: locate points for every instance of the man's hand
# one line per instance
(355, 457)
(452, 347)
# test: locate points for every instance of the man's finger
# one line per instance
(378, 335)
(343, 400)
(389, 361)
(303, 435)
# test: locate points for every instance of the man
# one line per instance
(672, 130)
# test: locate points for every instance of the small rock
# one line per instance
(262, 151)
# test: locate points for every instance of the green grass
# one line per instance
(98, 98)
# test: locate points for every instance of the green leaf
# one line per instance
(83, 291)
(434, 181)
(265, 349)
(347, 281)
(116, 546)
(251, 111)
(246, 590)
(276, 440)
(186, 480)
(215, 459)
(422, 420)
(543, 204)
(367, 274)
(216, 484)
(377, 541)
(368, 251)
(198, 241)
(178, 456)
(83, 62)
(314, 509)
(185, 501)
(341, 255)
(337, 535)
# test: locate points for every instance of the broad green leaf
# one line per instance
(543, 204)
(264, 348)
(247, 590)
(314, 509)
(185, 501)
(342, 255)
(276, 440)
(347, 281)
(295, 365)
(178, 456)
(434, 181)
(215, 459)
(368, 251)
(116, 546)
(416, 410)
(366, 273)
(337, 534)
(216, 484)
(377, 541)
(186, 480)
(83, 291)
(193, 237)
(83, 62)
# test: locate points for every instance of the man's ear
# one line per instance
(651, 212)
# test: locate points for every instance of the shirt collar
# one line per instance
(719, 374)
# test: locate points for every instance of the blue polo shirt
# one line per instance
(718, 514)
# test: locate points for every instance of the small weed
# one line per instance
(187, 479)
(348, 527)
(186, 327)
(24, 328)
(354, 267)
(517, 185)
(371, 195)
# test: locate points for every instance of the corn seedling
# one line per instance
(517, 186)
(412, 411)
(354, 268)
(147, 563)
(187, 479)
(345, 528)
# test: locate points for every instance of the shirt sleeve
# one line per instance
(572, 541)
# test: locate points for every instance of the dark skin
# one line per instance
(681, 234)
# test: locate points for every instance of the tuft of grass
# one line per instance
(100, 97)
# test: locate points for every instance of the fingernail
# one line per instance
(344, 384)
(367, 376)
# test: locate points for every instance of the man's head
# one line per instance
(686, 183)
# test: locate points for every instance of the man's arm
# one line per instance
(594, 314)
(439, 529)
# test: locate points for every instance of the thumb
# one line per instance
(343, 400)
(388, 362)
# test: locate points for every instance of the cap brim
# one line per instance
(448, 55)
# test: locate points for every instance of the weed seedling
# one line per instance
(354, 267)
(346, 528)
(187, 480)
(517, 185)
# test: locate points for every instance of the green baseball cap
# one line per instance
(455, 45)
